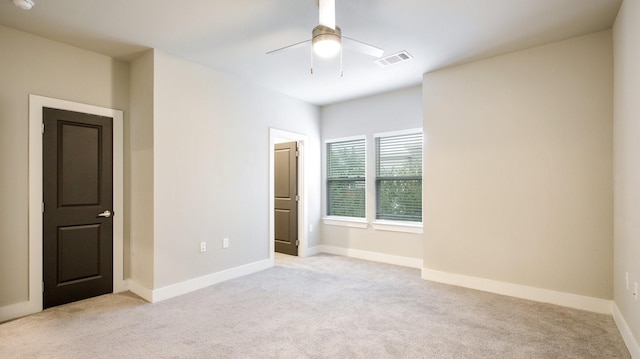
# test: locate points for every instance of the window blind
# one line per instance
(346, 185)
(399, 177)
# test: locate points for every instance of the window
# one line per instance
(399, 176)
(346, 185)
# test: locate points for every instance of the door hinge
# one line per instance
(297, 197)
(297, 242)
(42, 287)
(42, 127)
(42, 207)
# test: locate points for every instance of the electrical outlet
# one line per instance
(311, 228)
(626, 279)
(635, 290)
(225, 242)
(203, 247)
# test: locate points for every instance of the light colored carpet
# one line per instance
(318, 307)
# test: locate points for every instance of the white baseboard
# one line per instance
(140, 290)
(591, 304)
(22, 309)
(627, 336)
(312, 251)
(370, 256)
(191, 285)
(17, 310)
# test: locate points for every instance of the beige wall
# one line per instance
(392, 111)
(211, 168)
(139, 185)
(34, 65)
(518, 161)
(626, 40)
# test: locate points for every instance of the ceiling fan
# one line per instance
(327, 39)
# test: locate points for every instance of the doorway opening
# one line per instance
(78, 206)
(280, 136)
(36, 106)
(286, 198)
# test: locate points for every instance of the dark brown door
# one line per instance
(286, 199)
(78, 206)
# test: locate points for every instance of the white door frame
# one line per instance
(36, 103)
(278, 136)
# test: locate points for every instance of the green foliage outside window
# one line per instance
(399, 177)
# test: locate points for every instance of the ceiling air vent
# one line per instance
(393, 59)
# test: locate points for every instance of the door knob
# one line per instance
(105, 214)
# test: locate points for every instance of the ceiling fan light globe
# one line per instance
(24, 4)
(326, 47)
(326, 41)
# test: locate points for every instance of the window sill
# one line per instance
(398, 226)
(346, 222)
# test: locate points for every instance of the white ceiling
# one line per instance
(232, 36)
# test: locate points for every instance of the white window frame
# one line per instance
(391, 225)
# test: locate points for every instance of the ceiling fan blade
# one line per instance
(291, 47)
(359, 46)
(327, 16)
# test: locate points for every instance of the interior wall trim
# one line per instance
(276, 136)
(188, 286)
(13, 311)
(370, 256)
(575, 301)
(625, 331)
(36, 103)
(140, 290)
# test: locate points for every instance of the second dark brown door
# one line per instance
(286, 198)
(78, 206)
